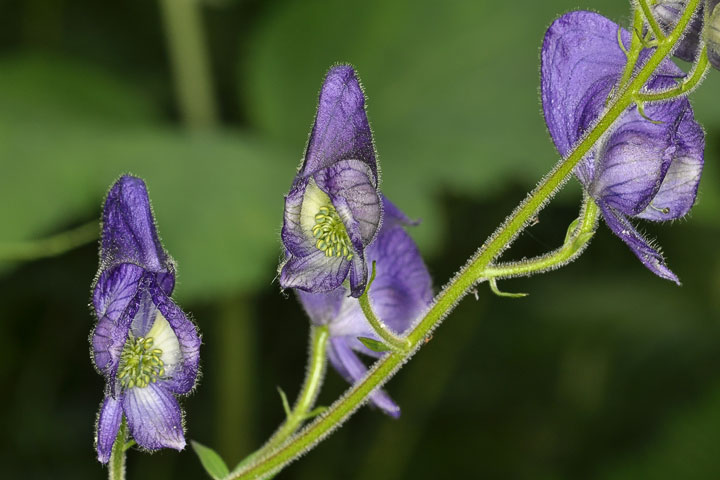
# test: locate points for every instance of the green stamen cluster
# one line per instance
(332, 238)
(140, 363)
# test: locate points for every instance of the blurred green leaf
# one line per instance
(218, 198)
(452, 90)
(211, 461)
(42, 88)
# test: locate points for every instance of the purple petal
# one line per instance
(678, 190)
(154, 417)
(114, 295)
(108, 425)
(351, 182)
(401, 292)
(393, 216)
(649, 256)
(297, 241)
(129, 233)
(182, 374)
(341, 130)
(322, 308)
(631, 166)
(667, 13)
(314, 273)
(349, 366)
(581, 61)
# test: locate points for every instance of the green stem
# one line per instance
(396, 342)
(50, 246)
(579, 234)
(657, 31)
(116, 466)
(464, 281)
(301, 411)
(188, 51)
(697, 74)
(632, 54)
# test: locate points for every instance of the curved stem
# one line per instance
(50, 246)
(697, 74)
(395, 342)
(301, 411)
(464, 281)
(116, 466)
(579, 234)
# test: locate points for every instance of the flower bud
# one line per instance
(712, 33)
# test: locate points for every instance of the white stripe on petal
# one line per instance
(165, 339)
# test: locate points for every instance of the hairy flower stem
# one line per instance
(579, 234)
(116, 466)
(395, 342)
(302, 410)
(689, 83)
(654, 26)
(50, 246)
(468, 276)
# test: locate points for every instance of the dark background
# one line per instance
(604, 372)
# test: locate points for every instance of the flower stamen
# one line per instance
(140, 363)
(332, 238)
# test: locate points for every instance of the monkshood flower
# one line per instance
(402, 290)
(333, 210)
(642, 169)
(143, 344)
(668, 12)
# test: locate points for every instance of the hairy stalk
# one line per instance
(395, 342)
(50, 246)
(302, 410)
(116, 466)
(654, 26)
(468, 276)
(579, 234)
(636, 45)
(692, 81)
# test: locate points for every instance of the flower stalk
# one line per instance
(116, 466)
(578, 236)
(471, 273)
(395, 342)
(303, 408)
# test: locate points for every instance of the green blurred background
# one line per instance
(604, 372)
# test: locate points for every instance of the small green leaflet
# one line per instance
(211, 461)
(374, 345)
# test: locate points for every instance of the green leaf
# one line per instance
(374, 345)
(211, 461)
(285, 403)
(456, 110)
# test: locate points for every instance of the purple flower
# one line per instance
(642, 169)
(143, 343)
(333, 210)
(668, 12)
(402, 290)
